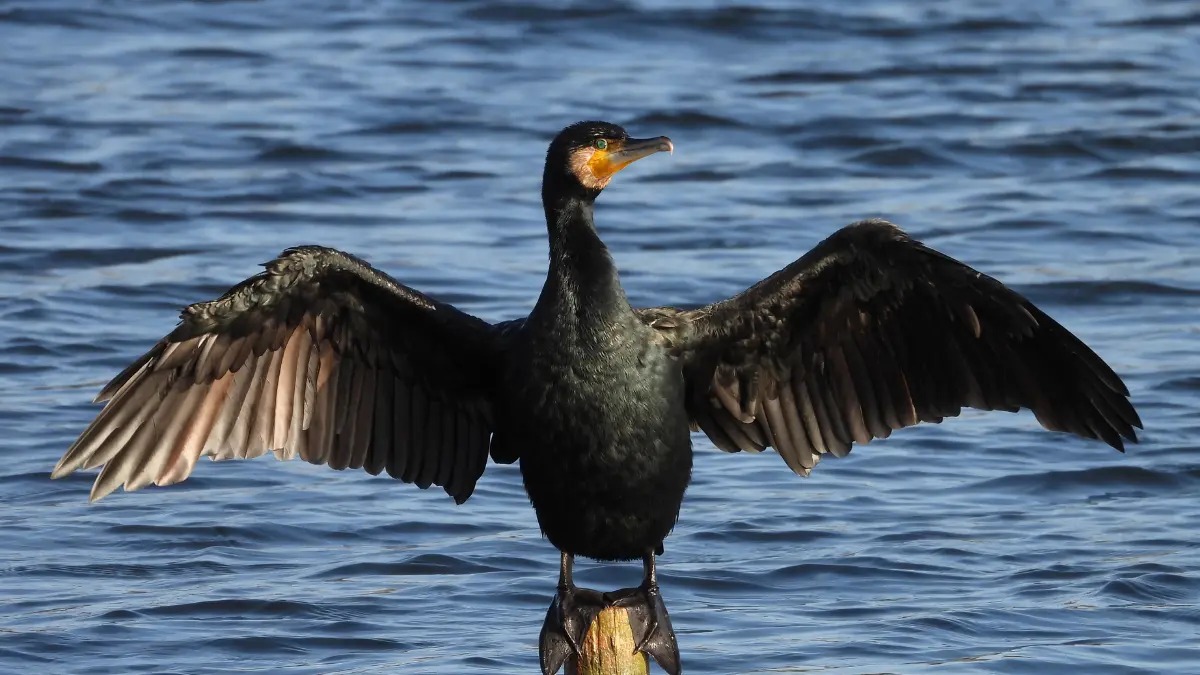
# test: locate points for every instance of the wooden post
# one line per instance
(607, 646)
(607, 649)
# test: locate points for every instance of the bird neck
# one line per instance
(582, 282)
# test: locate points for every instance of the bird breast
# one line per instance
(607, 393)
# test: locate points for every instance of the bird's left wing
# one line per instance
(872, 331)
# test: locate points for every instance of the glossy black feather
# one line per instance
(887, 332)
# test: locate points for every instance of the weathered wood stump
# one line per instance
(608, 629)
(608, 647)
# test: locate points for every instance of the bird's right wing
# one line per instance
(870, 332)
(320, 356)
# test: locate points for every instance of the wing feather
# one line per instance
(285, 392)
(323, 433)
(812, 426)
(431, 449)
(239, 445)
(417, 414)
(384, 419)
(401, 454)
(183, 457)
(463, 445)
(446, 452)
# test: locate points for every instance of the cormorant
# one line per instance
(324, 357)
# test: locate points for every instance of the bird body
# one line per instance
(595, 410)
(325, 358)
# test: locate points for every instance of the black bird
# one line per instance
(321, 356)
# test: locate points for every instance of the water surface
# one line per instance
(152, 153)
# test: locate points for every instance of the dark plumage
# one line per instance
(324, 357)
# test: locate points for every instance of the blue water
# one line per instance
(152, 153)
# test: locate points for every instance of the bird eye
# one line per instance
(600, 143)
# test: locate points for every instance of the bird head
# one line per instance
(585, 156)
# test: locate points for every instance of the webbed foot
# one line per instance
(570, 615)
(650, 622)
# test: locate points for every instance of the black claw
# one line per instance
(570, 615)
(555, 644)
(648, 615)
(659, 641)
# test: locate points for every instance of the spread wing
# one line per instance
(320, 356)
(872, 331)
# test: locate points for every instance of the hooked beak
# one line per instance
(605, 163)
